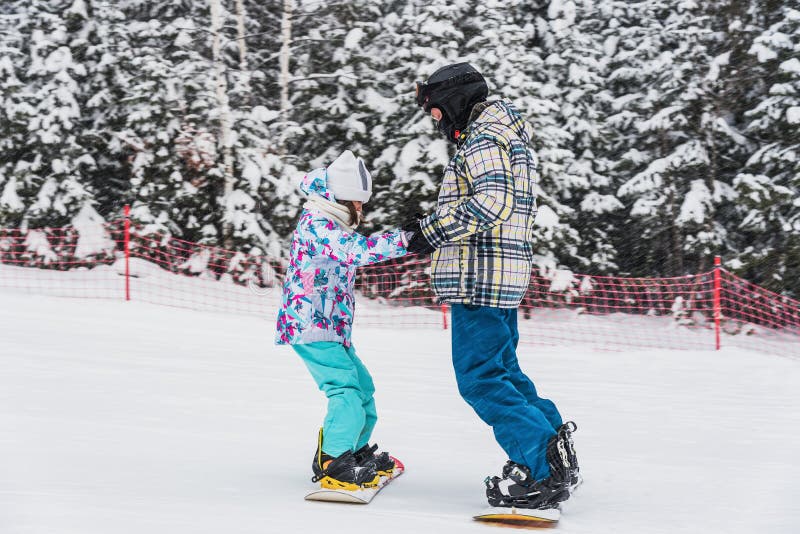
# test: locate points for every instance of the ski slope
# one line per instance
(123, 418)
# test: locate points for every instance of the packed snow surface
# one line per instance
(126, 417)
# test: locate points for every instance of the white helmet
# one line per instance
(349, 179)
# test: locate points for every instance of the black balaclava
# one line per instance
(454, 89)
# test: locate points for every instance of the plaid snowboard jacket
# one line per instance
(483, 223)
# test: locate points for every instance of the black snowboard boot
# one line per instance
(382, 463)
(519, 489)
(341, 472)
(562, 458)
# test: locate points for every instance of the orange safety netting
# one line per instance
(136, 262)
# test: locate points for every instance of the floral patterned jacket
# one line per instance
(318, 302)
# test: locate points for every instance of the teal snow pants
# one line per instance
(348, 385)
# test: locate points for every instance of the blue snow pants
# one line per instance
(348, 385)
(484, 342)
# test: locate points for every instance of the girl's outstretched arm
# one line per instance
(354, 248)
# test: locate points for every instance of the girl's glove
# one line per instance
(417, 243)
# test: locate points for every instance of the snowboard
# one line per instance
(520, 517)
(362, 496)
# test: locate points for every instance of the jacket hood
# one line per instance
(500, 112)
(316, 183)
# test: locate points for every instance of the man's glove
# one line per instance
(417, 243)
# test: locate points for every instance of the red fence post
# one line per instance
(127, 252)
(444, 316)
(717, 300)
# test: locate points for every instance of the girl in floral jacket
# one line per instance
(316, 317)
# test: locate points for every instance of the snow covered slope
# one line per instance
(130, 418)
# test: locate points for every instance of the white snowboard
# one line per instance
(362, 496)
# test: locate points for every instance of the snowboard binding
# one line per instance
(382, 463)
(342, 472)
(517, 488)
(562, 457)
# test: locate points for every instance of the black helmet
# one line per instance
(454, 89)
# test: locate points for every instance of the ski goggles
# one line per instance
(424, 90)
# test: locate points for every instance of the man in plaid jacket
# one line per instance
(481, 238)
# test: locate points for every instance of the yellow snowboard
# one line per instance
(520, 517)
